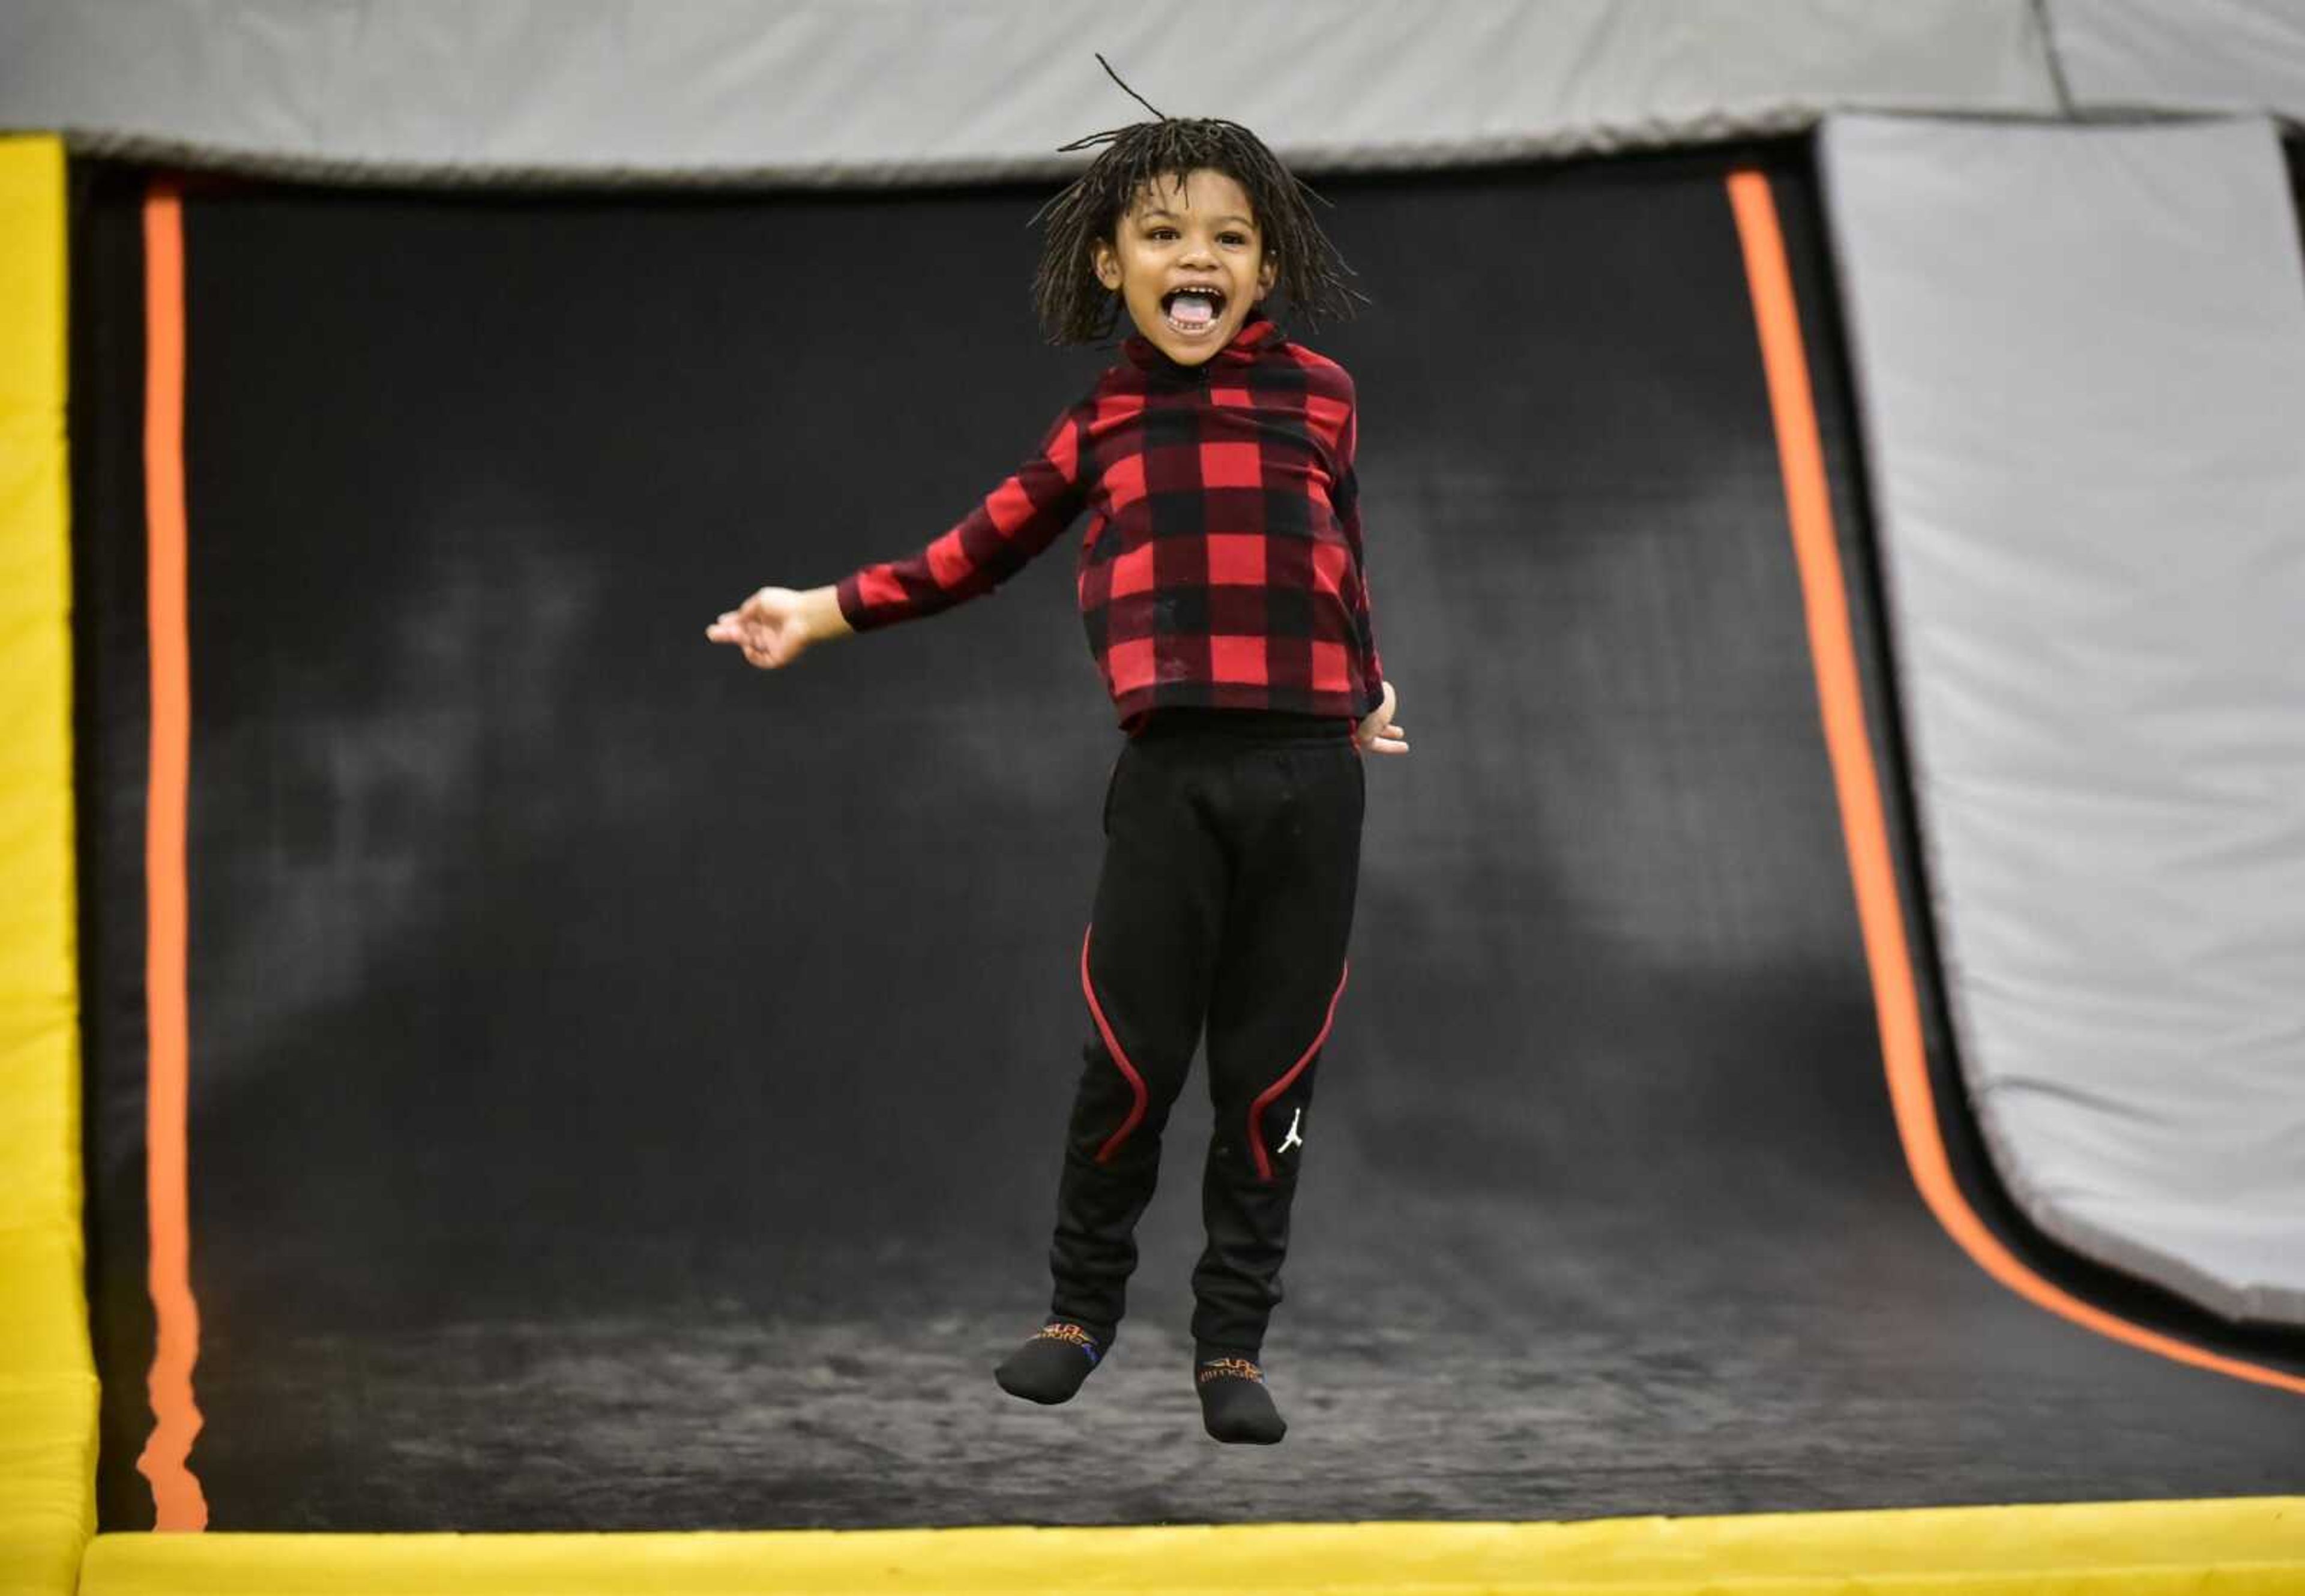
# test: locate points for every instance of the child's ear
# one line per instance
(1106, 263)
(1268, 273)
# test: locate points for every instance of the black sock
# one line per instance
(1051, 1366)
(1235, 1405)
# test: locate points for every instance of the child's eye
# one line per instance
(1233, 238)
(1162, 232)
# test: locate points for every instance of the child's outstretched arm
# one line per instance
(991, 543)
(776, 625)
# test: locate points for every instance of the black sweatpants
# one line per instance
(1232, 854)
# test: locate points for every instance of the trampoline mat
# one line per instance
(627, 1088)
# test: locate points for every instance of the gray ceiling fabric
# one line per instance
(2080, 360)
(876, 91)
(2183, 55)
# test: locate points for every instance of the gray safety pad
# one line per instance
(2197, 55)
(2080, 359)
(835, 91)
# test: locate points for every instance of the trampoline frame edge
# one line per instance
(2253, 1544)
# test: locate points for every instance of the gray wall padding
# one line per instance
(889, 90)
(2183, 55)
(2080, 360)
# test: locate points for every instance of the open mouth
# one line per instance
(1192, 311)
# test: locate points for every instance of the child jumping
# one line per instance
(1221, 583)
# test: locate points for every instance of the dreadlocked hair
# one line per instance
(1074, 307)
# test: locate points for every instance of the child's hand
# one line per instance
(1377, 731)
(771, 626)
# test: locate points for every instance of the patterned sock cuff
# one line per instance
(1227, 1369)
(1072, 1334)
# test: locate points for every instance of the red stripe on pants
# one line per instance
(1113, 1044)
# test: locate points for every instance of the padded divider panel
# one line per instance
(2081, 356)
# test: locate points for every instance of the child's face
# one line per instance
(1194, 229)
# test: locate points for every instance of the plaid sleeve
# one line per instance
(1346, 499)
(989, 545)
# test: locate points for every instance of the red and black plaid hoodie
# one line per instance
(1222, 565)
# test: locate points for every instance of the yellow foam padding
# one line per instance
(48, 1459)
(2247, 1547)
(48, 1380)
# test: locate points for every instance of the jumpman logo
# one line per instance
(1292, 1138)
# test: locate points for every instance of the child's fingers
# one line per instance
(752, 640)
